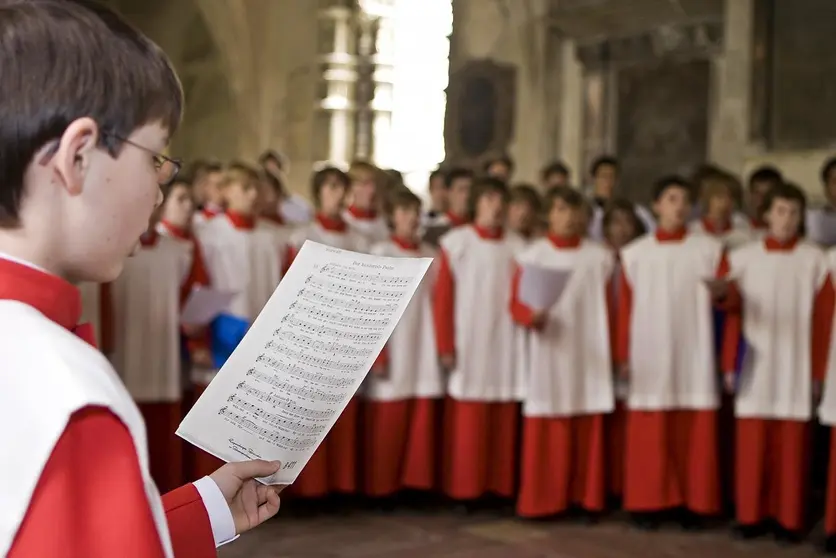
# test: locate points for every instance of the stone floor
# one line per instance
(446, 534)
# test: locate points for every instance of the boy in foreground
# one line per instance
(80, 174)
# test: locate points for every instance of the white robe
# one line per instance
(372, 230)
(146, 306)
(487, 368)
(738, 235)
(671, 353)
(413, 369)
(246, 262)
(72, 375)
(827, 409)
(347, 240)
(778, 288)
(570, 363)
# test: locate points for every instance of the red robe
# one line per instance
(101, 482)
(616, 422)
(671, 457)
(480, 437)
(562, 459)
(772, 464)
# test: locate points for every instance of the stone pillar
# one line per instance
(336, 104)
(570, 142)
(731, 114)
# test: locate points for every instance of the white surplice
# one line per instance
(671, 352)
(345, 240)
(739, 234)
(570, 363)
(778, 288)
(146, 306)
(827, 409)
(373, 230)
(487, 367)
(413, 369)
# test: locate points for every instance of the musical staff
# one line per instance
(287, 383)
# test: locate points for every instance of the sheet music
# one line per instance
(305, 355)
(540, 287)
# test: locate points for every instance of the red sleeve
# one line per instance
(622, 322)
(732, 329)
(521, 313)
(198, 276)
(106, 318)
(822, 328)
(444, 307)
(382, 359)
(90, 500)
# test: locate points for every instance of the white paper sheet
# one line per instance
(821, 226)
(204, 305)
(540, 287)
(305, 355)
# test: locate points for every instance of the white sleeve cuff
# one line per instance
(223, 526)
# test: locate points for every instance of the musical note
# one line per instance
(304, 357)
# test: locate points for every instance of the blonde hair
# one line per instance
(716, 184)
(359, 169)
(240, 173)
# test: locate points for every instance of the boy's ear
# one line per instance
(73, 158)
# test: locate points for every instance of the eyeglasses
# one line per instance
(167, 168)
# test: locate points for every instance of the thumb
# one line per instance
(255, 468)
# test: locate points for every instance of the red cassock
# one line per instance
(90, 469)
(775, 388)
(564, 445)
(475, 268)
(616, 422)
(671, 455)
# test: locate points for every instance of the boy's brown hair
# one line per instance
(621, 205)
(241, 173)
(528, 194)
(321, 176)
(403, 198)
(482, 187)
(359, 168)
(567, 195)
(717, 183)
(61, 60)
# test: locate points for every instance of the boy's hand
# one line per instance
(729, 381)
(192, 330)
(448, 362)
(202, 358)
(719, 288)
(538, 320)
(250, 502)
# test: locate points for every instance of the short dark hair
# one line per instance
(436, 174)
(200, 168)
(526, 193)
(765, 173)
(61, 60)
(671, 181)
(827, 168)
(455, 174)
(403, 197)
(501, 159)
(603, 161)
(566, 194)
(785, 191)
(484, 186)
(622, 205)
(555, 167)
(273, 180)
(321, 176)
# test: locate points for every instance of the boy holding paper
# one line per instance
(147, 299)
(405, 387)
(475, 341)
(570, 388)
(665, 346)
(80, 174)
(785, 315)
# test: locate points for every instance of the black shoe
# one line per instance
(748, 532)
(691, 521)
(645, 521)
(590, 518)
(786, 537)
(830, 544)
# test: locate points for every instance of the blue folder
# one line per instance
(227, 331)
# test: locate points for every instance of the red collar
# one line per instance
(50, 295)
(488, 234)
(175, 231)
(333, 224)
(564, 241)
(774, 245)
(711, 228)
(456, 220)
(670, 236)
(363, 214)
(239, 221)
(406, 244)
(210, 210)
(149, 238)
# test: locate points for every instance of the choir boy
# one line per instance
(524, 212)
(665, 346)
(821, 221)
(147, 298)
(80, 174)
(570, 385)
(621, 226)
(784, 314)
(363, 215)
(405, 388)
(717, 193)
(270, 195)
(438, 197)
(605, 173)
(553, 175)
(475, 340)
(501, 168)
(293, 208)
(761, 181)
(458, 183)
(827, 416)
(334, 465)
(207, 191)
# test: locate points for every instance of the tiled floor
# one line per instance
(446, 534)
